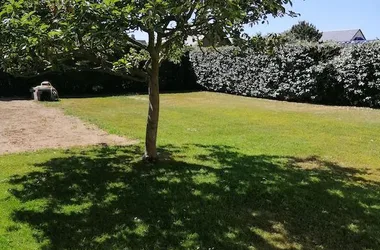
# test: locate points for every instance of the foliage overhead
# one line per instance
(50, 35)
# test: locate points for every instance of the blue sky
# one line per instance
(330, 15)
(327, 15)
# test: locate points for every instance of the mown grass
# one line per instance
(236, 173)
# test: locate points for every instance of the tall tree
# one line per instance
(96, 35)
(305, 31)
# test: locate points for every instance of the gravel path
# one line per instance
(30, 126)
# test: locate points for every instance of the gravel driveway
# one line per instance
(30, 126)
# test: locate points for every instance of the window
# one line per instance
(359, 39)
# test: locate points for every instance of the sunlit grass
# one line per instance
(236, 173)
(350, 136)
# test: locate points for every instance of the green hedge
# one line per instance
(316, 73)
(173, 77)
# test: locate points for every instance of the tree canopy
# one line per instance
(44, 35)
(92, 34)
(305, 31)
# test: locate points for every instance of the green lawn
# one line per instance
(236, 173)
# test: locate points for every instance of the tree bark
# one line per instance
(153, 112)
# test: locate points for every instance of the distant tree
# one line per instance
(305, 31)
(43, 35)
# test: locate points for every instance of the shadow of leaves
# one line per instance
(106, 198)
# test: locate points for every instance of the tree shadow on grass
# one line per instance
(107, 199)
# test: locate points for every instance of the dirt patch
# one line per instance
(30, 126)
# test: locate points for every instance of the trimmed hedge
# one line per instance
(68, 84)
(173, 77)
(357, 71)
(308, 72)
(316, 73)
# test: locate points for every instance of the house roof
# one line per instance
(340, 35)
(143, 42)
(194, 40)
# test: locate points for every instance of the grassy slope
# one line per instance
(239, 173)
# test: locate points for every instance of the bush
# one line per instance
(307, 72)
(358, 72)
(173, 77)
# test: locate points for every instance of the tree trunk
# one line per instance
(153, 112)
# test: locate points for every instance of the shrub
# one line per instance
(358, 71)
(303, 72)
(173, 77)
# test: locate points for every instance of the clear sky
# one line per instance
(327, 15)
(330, 15)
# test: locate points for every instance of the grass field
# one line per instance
(236, 173)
